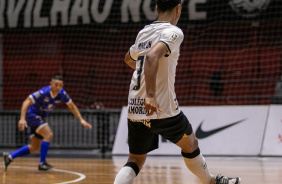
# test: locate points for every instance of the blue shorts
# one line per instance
(34, 122)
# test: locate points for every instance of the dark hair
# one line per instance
(167, 5)
(58, 77)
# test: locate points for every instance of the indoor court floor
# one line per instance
(157, 170)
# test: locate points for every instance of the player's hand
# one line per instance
(151, 105)
(85, 124)
(22, 124)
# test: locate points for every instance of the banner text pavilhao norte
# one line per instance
(52, 13)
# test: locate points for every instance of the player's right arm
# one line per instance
(22, 122)
(129, 61)
(150, 70)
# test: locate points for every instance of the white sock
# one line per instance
(198, 166)
(125, 176)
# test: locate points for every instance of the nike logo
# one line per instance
(200, 134)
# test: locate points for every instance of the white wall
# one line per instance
(245, 131)
(272, 145)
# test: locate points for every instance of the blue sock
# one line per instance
(43, 151)
(20, 152)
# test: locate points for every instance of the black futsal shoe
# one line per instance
(6, 160)
(44, 166)
(225, 180)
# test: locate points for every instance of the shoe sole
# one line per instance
(45, 169)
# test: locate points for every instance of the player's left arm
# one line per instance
(73, 108)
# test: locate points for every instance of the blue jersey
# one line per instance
(44, 102)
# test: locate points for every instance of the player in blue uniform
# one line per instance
(35, 109)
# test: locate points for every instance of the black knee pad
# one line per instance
(191, 155)
(133, 166)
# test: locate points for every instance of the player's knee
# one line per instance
(189, 149)
(49, 136)
(190, 145)
(195, 143)
(139, 160)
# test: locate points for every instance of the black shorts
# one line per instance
(143, 135)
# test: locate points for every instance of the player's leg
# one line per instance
(141, 141)
(195, 161)
(34, 146)
(27, 149)
(178, 130)
(131, 169)
(45, 131)
(35, 143)
(8, 158)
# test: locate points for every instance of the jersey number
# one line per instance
(140, 61)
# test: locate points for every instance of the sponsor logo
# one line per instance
(173, 37)
(280, 135)
(37, 94)
(280, 138)
(146, 122)
(136, 106)
(205, 165)
(201, 134)
(46, 99)
(249, 8)
(176, 103)
(145, 45)
(50, 106)
(39, 117)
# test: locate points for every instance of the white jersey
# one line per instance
(171, 36)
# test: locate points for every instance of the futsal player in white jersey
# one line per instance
(152, 105)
